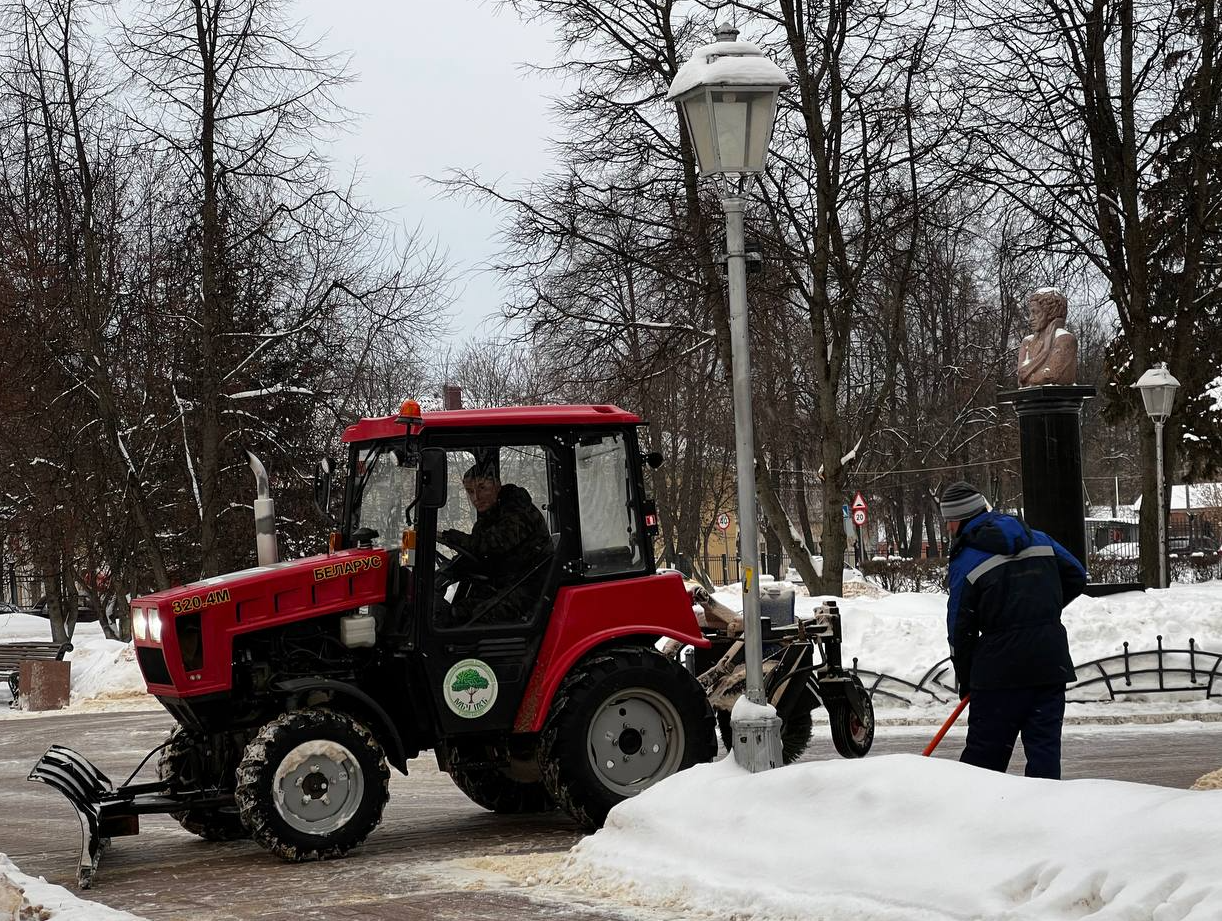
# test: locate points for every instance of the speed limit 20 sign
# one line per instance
(859, 509)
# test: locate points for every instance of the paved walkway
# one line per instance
(404, 871)
(428, 859)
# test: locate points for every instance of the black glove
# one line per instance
(450, 537)
(963, 676)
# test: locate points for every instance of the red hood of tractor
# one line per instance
(198, 622)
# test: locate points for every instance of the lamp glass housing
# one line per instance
(730, 127)
(1158, 388)
(1158, 401)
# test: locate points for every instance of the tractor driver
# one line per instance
(505, 555)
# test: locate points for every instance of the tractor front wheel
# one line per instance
(312, 785)
(188, 763)
(622, 720)
(498, 792)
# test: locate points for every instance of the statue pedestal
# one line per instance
(1050, 442)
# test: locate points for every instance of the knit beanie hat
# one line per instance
(961, 501)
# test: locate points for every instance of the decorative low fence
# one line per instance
(1190, 670)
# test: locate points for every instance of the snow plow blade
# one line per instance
(106, 812)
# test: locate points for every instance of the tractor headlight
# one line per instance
(154, 625)
(139, 624)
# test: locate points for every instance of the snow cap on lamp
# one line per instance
(728, 92)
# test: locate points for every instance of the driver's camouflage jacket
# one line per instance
(508, 538)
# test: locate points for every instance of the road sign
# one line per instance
(859, 502)
(723, 521)
(859, 517)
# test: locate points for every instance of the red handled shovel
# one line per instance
(933, 743)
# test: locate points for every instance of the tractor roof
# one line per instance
(503, 417)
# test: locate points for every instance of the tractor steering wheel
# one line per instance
(460, 553)
(449, 568)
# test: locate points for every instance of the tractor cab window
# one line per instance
(384, 487)
(495, 535)
(610, 529)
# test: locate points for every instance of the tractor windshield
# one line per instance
(384, 489)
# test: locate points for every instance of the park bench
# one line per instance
(12, 655)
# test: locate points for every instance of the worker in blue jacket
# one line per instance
(1008, 584)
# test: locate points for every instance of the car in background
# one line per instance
(1198, 545)
(85, 614)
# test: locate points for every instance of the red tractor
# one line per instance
(528, 667)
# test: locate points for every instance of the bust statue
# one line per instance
(1050, 354)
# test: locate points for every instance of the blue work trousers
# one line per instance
(996, 718)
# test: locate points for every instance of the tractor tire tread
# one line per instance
(209, 824)
(589, 807)
(499, 793)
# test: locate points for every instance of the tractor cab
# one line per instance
(488, 514)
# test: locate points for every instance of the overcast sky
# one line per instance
(439, 85)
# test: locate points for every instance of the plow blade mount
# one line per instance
(106, 812)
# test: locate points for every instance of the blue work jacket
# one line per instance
(1008, 584)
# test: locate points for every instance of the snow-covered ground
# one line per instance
(104, 672)
(904, 838)
(26, 898)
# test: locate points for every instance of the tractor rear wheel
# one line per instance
(187, 764)
(312, 785)
(795, 734)
(852, 735)
(621, 720)
(498, 792)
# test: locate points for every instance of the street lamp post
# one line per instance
(728, 95)
(1158, 388)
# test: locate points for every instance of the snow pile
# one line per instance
(24, 898)
(905, 634)
(906, 838)
(103, 670)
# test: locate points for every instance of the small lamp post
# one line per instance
(1158, 388)
(728, 94)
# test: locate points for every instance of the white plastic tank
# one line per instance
(358, 630)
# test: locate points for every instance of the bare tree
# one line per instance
(1069, 111)
(283, 274)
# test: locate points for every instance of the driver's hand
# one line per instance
(451, 537)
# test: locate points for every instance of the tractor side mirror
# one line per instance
(432, 478)
(653, 460)
(322, 486)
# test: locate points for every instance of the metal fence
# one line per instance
(1160, 670)
(19, 590)
(1192, 547)
(725, 569)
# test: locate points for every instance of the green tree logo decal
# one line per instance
(469, 680)
(470, 688)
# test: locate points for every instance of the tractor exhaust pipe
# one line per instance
(265, 513)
